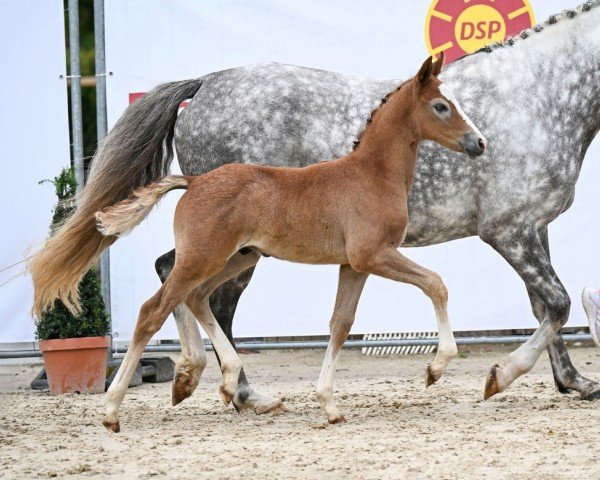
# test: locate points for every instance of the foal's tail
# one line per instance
(121, 218)
(138, 151)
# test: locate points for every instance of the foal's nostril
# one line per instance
(473, 144)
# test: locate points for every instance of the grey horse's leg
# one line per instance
(223, 303)
(522, 248)
(566, 376)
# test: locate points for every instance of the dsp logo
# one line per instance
(459, 27)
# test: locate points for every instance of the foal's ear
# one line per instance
(437, 66)
(426, 71)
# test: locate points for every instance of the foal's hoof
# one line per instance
(225, 395)
(114, 427)
(339, 419)
(431, 376)
(182, 387)
(491, 383)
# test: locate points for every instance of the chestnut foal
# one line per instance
(350, 211)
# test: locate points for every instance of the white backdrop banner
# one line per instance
(152, 42)
(34, 144)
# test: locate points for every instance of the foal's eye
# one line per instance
(440, 107)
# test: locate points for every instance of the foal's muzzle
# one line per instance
(474, 144)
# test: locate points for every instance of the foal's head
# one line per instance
(437, 114)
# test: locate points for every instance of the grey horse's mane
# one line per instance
(510, 41)
(552, 20)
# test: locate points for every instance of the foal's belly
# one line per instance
(310, 258)
(315, 253)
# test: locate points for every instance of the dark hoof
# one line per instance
(181, 388)
(225, 396)
(431, 377)
(560, 387)
(491, 384)
(114, 427)
(591, 396)
(563, 390)
(340, 419)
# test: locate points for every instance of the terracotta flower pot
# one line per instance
(76, 364)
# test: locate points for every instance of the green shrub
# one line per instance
(59, 322)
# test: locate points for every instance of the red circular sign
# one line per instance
(460, 27)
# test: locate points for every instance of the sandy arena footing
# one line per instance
(396, 428)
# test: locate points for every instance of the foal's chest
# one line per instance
(386, 220)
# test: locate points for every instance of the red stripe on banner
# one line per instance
(133, 96)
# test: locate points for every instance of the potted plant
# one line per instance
(75, 348)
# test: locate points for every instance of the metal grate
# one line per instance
(400, 350)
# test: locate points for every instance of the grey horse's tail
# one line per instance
(138, 151)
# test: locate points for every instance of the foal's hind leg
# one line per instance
(390, 263)
(190, 366)
(350, 286)
(152, 316)
(223, 302)
(198, 301)
(231, 364)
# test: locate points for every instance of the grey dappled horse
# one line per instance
(537, 99)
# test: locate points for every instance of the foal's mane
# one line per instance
(374, 111)
(552, 20)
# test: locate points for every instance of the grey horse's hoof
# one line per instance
(591, 395)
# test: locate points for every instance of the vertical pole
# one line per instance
(100, 69)
(76, 113)
(102, 126)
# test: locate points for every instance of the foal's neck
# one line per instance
(388, 146)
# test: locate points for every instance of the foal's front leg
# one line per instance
(390, 263)
(350, 286)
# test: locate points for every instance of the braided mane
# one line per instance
(553, 19)
(370, 119)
